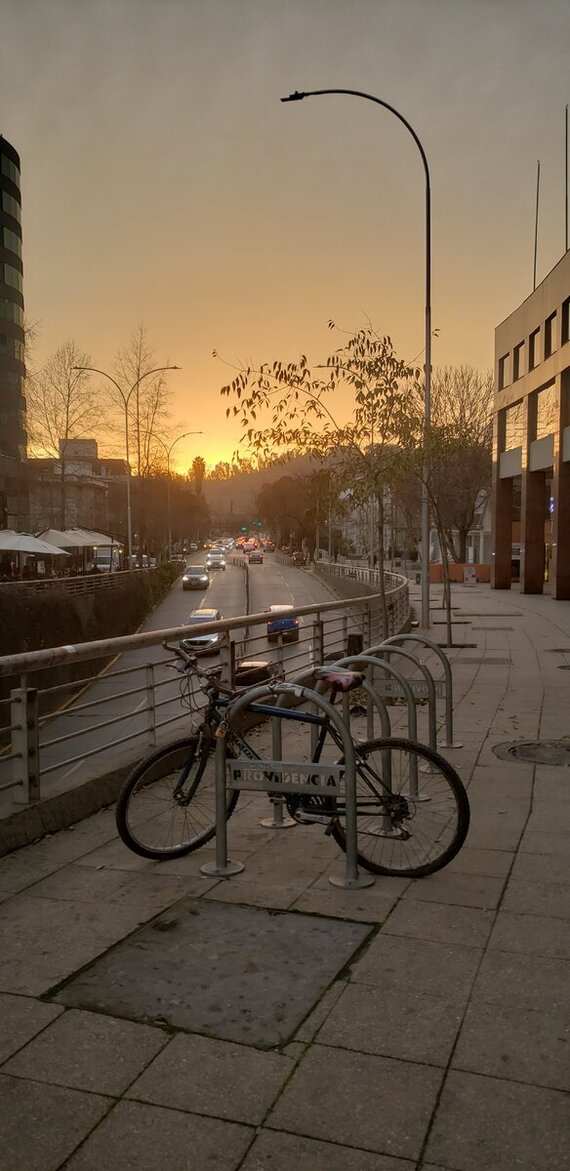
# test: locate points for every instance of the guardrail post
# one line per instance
(318, 643)
(150, 708)
(25, 743)
(226, 660)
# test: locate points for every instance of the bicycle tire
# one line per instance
(147, 811)
(420, 834)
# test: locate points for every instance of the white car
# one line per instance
(215, 559)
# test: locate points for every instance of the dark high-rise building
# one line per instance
(12, 369)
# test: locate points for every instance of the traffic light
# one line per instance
(257, 524)
(244, 528)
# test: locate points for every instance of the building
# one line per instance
(79, 490)
(531, 440)
(13, 503)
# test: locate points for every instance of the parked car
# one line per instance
(195, 577)
(297, 558)
(283, 623)
(215, 559)
(256, 558)
(202, 644)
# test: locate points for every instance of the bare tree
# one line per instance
(61, 406)
(149, 403)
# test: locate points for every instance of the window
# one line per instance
(518, 359)
(503, 371)
(565, 322)
(533, 358)
(9, 311)
(11, 205)
(13, 277)
(10, 170)
(546, 409)
(550, 343)
(514, 426)
(12, 241)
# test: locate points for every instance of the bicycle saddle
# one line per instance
(340, 678)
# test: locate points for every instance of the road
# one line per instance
(118, 715)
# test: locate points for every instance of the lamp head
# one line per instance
(295, 97)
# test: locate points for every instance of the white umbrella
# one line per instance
(98, 539)
(27, 543)
(70, 539)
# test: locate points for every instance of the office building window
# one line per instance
(503, 371)
(565, 331)
(11, 206)
(12, 241)
(550, 343)
(9, 311)
(514, 426)
(13, 277)
(10, 170)
(533, 343)
(546, 410)
(518, 360)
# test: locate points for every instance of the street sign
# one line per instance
(286, 776)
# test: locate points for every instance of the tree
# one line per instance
(61, 406)
(462, 432)
(198, 471)
(292, 399)
(149, 404)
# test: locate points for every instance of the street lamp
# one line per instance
(168, 451)
(297, 97)
(125, 398)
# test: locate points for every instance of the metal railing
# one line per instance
(75, 731)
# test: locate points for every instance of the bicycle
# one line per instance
(412, 808)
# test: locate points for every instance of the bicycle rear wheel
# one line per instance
(412, 809)
(167, 806)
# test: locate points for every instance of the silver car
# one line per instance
(195, 577)
(202, 644)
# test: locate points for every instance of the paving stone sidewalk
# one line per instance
(410, 1025)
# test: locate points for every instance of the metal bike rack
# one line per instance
(430, 685)
(225, 867)
(414, 637)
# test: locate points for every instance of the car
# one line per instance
(195, 577)
(192, 548)
(297, 558)
(256, 557)
(269, 547)
(215, 559)
(283, 623)
(177, 558)
(202, 644)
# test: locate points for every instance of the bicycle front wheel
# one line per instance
(167, 806)
(412, 809)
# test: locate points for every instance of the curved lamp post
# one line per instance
(297, 97)
(125, 398)
(168, 450)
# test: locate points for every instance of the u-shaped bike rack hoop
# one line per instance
(223, 866)
(421, 638)
(393, 649)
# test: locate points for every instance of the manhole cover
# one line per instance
(556, 752)
(237, 973)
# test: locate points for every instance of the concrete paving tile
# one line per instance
(534, 868)
(544, 842)
(137, 1137)
(537, 898)
(530, 935)
(41, 1125)
(523, 982)
(484, 1123)
(79, 883)
(407, 1025)
(366, 905)
(89, 1051)
(20, 1019)
(464, 890)
(280, 895)
(522, 1046)
(491, 863)
(487, 832)
(308, 1030)
(218, 1078)
(277, 1151)
(470, 926)
(393, 962)
(331, 1093)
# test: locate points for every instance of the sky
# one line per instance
(165, 184)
